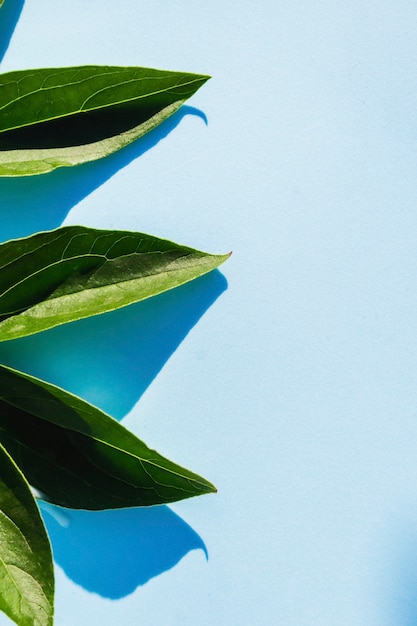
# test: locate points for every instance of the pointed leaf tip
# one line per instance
(79, 457)
(60, 117)
(74, 272)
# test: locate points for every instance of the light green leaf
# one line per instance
(73, 272)
(78, 456)
(55, 117)
(26, 569)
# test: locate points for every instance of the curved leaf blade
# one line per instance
(58, 117)
(73, 272)
(80, 457)
(26, 568)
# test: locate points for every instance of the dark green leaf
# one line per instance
(26, 569)
(73, 272)
(78, 456)
(55, 117)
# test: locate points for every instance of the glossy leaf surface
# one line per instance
(78, 456)
(26, 569)
(59, 117)
(73, 272)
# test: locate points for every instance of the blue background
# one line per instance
(289, 378)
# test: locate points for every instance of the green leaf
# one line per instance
(78, 456)
(63, 275)
(55, 117)
(26, 569)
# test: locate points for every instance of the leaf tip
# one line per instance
(211, 488)
(225, 257)
(205, 487)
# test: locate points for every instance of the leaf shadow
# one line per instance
(111, 359)
(9, 16)
(113, 552)
(42, 202)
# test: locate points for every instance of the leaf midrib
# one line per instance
(86, 290)
(106, 443)
(70, 472)
(107, 106)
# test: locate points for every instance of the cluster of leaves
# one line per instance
(70, 451)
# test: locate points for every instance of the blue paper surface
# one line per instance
(289, 378)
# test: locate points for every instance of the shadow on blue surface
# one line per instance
(113, 552)
(111, 359)
(9, 16)
(34, 203)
